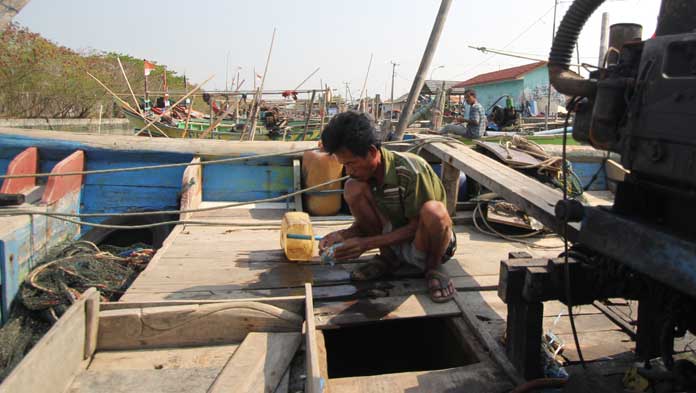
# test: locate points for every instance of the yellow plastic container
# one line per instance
(297, 223)
(317, 168)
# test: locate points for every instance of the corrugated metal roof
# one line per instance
(502, 75)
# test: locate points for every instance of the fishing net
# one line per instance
(52, 287)
(83, 265)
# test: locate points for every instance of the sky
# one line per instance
(215, 37)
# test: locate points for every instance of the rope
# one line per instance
(186, 164)
(549, 166)
(151, 213)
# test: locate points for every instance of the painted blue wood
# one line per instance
(99, 198)
(26, 241)
(585, 171)
(238, 182)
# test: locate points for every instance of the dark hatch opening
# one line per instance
(417, 344)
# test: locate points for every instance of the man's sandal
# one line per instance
(373, 269)
(443, 282)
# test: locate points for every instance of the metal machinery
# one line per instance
(641, 105)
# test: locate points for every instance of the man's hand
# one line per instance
(351, 248)
(329, 240)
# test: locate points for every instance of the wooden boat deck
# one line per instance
(244, 261)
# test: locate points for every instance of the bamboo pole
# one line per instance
(135, 100)
(124, 103)
(101, 107)
(427, 59)
(324, 109)
(252, 125)
(309, 115)
(306, 79)
(362, 91)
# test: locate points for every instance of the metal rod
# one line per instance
(427, 59)
(548, 93)
(603, 40)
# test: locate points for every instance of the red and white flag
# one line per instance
(259, 76)
(148, 67)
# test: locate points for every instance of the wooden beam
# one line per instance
(91, 325)
(315, 383)
(335, 314)
(59, 354)
(191, 188)
(536, 199)
(259, 364)
(482, 333)
(220, 323)
(450, 179)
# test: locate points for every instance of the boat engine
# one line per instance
(642, 105)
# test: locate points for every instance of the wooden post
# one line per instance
(315, 382)
(423, 69)
(100, 115)
(309, 114)
(523, 333)
(211, 114)
(450, 179)
(188, 117)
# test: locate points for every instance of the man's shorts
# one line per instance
(408, 253)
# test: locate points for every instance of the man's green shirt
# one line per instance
(409, 182)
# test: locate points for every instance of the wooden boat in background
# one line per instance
(226, 130)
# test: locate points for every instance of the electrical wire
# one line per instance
(202, 163)
(569, 301)
(59, 215)
(158, 212)
(517, 239)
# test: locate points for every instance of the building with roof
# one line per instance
(527, 84)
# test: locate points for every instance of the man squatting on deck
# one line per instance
(398, 204)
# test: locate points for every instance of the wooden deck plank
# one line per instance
(475, 378)
(165, 358)
(184, 380)
(334, 314)
(258, 364)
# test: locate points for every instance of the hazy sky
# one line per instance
(195, 37)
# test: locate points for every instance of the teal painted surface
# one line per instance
(487, 94)
(239, 182)
(531, 86)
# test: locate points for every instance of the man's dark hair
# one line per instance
(351, 130)
(470, 92)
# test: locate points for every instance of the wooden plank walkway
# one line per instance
(530, 195)
(243, 260)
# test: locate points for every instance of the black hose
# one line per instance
(562, 79)
(569, 30)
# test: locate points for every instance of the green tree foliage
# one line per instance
(39, 78)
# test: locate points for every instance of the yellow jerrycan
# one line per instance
(319, 167)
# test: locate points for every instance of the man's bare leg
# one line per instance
(367, 217)
(433, 237)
